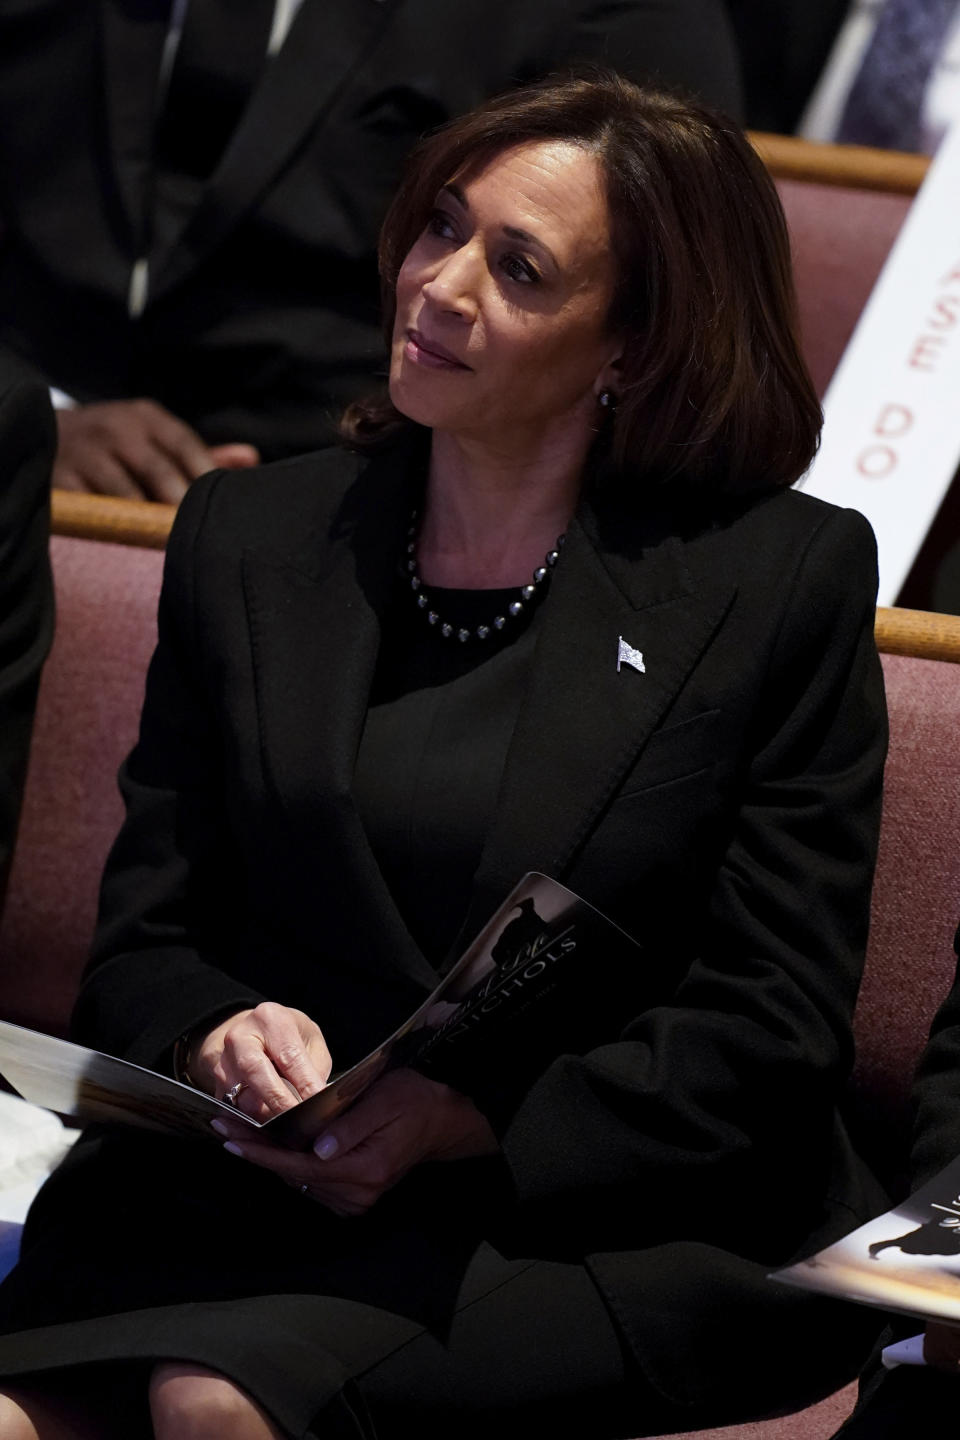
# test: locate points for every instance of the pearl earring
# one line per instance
(607, 400)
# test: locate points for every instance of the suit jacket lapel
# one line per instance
(132, 39)
(315, 634)
(583, 723)
(326, 41)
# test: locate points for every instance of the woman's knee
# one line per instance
(15, 1423)
(189, 1402)
(33, 1415)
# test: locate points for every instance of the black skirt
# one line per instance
(140, 1249)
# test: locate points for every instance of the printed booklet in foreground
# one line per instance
(546, 975)
(906, 1260)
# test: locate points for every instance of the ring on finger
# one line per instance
(231, 1095)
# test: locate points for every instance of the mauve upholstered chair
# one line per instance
(840, 238)
(86, 721)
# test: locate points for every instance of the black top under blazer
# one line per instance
(723, 806)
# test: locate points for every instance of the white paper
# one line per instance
(891, 436)
(904, 1352)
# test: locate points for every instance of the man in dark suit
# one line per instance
(783, 49)
(27, 442)
(222, 262)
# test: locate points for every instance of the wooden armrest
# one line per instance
(922, 633)
(141, 522)
(858, 166)
(106, 517)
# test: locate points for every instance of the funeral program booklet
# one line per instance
(545, 976)
(906, 1260)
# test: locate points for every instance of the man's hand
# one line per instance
(277, 1056)
(137, 449)
(401, 1120)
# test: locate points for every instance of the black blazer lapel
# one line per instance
(326, 41)
(583, 723)
(315, 633)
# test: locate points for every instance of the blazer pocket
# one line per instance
(674, 753)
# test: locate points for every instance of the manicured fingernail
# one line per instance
(219, 1126)
(233, 1148)
(325, 1147)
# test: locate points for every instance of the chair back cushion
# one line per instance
(916, 900)
(86, 721)
(840, 238)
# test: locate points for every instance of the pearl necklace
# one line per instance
(527, 596)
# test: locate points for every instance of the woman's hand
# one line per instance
(277, 1056)
(402, 1119)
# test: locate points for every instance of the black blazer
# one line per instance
(263, 314)
(723, 806)
(27, 440)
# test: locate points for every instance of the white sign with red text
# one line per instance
(891, 435)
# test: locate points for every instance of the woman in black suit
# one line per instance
(554, 610)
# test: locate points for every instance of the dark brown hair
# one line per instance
(714, 392)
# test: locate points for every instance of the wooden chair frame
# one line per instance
(139, 522)
(857, 166)
(106, 517)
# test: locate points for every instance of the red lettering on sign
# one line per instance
(877, 462)
(925, 353)
(946, 312)
(894, 421)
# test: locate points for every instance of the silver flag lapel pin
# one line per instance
(626, 655)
